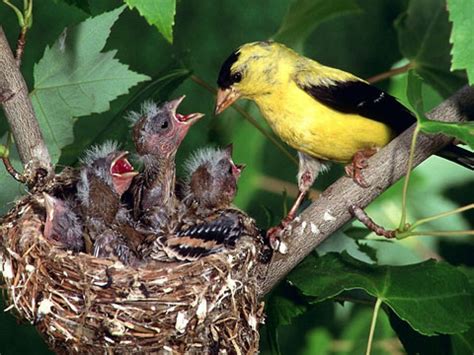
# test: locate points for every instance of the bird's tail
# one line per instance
(458, 155)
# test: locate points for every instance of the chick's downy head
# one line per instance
(107, 164)
(159, 130)
(62, 226)
(252, 70)
(212, 177)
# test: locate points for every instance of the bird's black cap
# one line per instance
(225, 79)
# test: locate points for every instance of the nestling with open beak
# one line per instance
(62, 226)
(324, 113)
(157, 134)
(207, 222)
(105, 175)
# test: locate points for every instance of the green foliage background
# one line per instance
(365, 37)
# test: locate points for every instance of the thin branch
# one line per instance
(441, 215)
(20, 46)
(331, 211)
(360, 214)
(12, 171)
(19, 111)
(388, 74)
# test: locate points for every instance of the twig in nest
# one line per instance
(360, 214)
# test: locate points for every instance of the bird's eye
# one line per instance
(231, 170)
(164, 125)
(237, 77)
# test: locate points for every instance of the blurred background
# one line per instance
(363, 41)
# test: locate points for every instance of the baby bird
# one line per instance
(105, 175)
(112, 243)
(207, 222)
(62, 226)
(157, 133)
(324, 113)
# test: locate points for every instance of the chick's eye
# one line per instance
(230, 171)
(237, 77)
(164, 125)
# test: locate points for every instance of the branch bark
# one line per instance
(19, 111)
(331, 210)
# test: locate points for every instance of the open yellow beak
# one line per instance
(225, 98)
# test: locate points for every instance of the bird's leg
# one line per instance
(308, 171)
(359, 163)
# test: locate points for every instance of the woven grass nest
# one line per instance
(84, 304)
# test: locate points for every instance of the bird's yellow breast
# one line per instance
(315, 129)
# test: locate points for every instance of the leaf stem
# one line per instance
(249, 118)
(403, 219)
(392, 72)
(434, 233)
(378, 303)
(441, 215)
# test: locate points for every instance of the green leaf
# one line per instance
(464, 131)
(158, 13)
(318, 341)
(303, 16)
(10, 187)
(414, 94)
(282, 306)
(356, 331)
(423, 37)
(460, 14)
(80, 4)
(367, 250)
(433, 297)
(357, 232)
(463, 344)
(118, 128)
(75, 79)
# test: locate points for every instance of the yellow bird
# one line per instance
(324, 113)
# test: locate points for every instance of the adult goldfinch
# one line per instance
(324, 113)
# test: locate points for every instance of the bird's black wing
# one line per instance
(361, 98)
(219, 232)
(133, 197)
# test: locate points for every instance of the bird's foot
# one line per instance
(359, 163)
(274, 233)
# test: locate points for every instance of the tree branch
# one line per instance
(19, 111)
(332, 210)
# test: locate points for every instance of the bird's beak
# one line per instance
(49, 205)
(188, 119)
(122, 173)
(225, 98)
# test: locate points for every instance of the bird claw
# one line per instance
(273, 236)
(359, 163)
(274, 233)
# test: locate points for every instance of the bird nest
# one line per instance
(84, 304)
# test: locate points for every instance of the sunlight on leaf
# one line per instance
(75, 79)
(159, 13)
(423, 37)
(460, 14)
(464, 131)
(411, 291)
